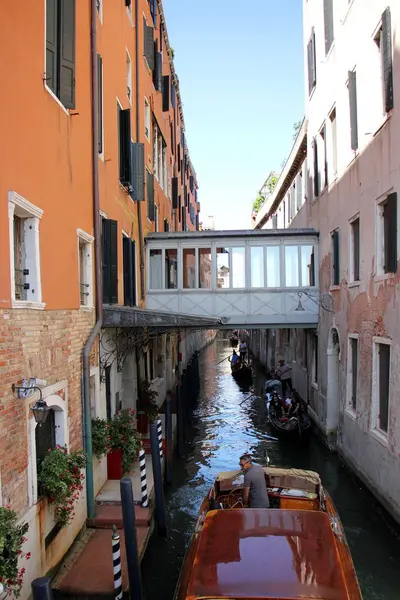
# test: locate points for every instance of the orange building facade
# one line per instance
(73, 129)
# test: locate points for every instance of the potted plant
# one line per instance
(147, 406)
(12, 538)
(61, 480)
(123, 443)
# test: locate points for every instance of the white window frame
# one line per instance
(129, 13)
(374, 425)
(380, 236)
(351, 251)
(129, 77)
(156, 217)
(87, 240)
(377, 38)
(349, 390)
(99, 8)
(333, 144)
(17, 205)
(147, 119)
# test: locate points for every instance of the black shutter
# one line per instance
(100, 103)
(161, 37)
(67, 53)
(166, 225)
(150, 196)
(312, 269)
(175, 192)
(384, 383)
(311, 60)
(125, 147)
(197, 222)
(157, 71)
(386, 49)
(325, 158)
(137, 165)
(178, 157)
(356, 249)
(51, 44)
(173, 96)
(128, 271)
(191, 183)
(127, 3)
(390, 233)
(105, 259)
(165, 92)
(353, 109)
(179, 208)
(153, 10)
(148, 44)
(113, 262)
(316, 173)
(336, 265)
(171, 126)
(328, 20)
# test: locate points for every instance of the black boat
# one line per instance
(241, 370)
(294, 425)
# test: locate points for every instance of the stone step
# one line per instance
(109, 514)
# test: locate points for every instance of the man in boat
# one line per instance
(255, 493)
(284, 373)
(273, 385)
(235, 360)
(242, 350)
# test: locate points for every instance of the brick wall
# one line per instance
(47, 345)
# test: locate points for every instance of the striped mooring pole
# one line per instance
(116, 554)
(159, 435)
(143, 476)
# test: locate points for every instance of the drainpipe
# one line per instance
(87, 417)
(138, 203)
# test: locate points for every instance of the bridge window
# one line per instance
(155, 269)
(307, 266)
(222, 268)
(273, 266)
(204, 268)
(291, 266)
(257, 266)
(189, 268)
(238, 267)
(171, 269)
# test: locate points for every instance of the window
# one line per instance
(129, 77)
(335, 258)
(148, 50)
(99, 7)
(352, 85)
(314, 354)
(150, 196)
(109, 242)
(291, 266)
(60, 50)
(381, 385)
(387, 235)
(100, 103)
(311, 62)
(299, 191)
(147, 119)
(322, 134)
(332, 119)
(355, 250)
(129, 269)
(157, 71)
(165, 93)
(124, 123)
(171, 269)
(153, 11)
(316, 172)
(26, 285)
(85, 242)
(189, 268)
(45, 438)
(383, 40)
(155, 150)
(328, 22)
(128, 4)
(352, 370)
(257, 266)
(155, 217)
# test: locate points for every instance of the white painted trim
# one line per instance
(18, 304)
(103, 214)
(87, 275)
(376, 339)
(28, 207)
(376, 431)
(89, 239)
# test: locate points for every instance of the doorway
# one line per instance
(332, 395)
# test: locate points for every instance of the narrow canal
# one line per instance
(221, 430)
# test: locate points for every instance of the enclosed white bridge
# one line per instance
(251, 279)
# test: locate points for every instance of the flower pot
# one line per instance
(142, 423)
(114, 464)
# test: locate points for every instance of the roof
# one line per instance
(125, 316)
(267, 553)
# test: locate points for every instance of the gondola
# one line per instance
(242, 370)
(295, 426)
(234, 341)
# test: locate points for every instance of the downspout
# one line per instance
(138, 203)
(87, 417)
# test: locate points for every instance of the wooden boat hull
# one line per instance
(296, 428)
(242, 373)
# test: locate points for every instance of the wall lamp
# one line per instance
(40, 409)
(300, 306)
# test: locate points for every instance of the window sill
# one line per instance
(380, 437)
(386, 118)
(383, 277)
(314, 385)
(328, 54)
(352, 414)
(84, 308)
(28, 305)
(334, 288)
(60, 104)
(354, 284)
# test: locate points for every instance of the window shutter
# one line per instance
(356, 249)
(336, 265)
(67, 53)
(153, 10)
(325, 159)
(178, 155)
(175, 192)
(197, 222)
(125, 146)
(171, 126)
(128, 271)
(150, 196)
(113, 262)
(316, 174)
(105, 259)
(390, 233)
(353, 109)
(173, 96)
(312, 269)
(157, 72)
(328, 20)
(51, 44)
(311, 60)
(137, 162)
(165, 92)
(166, 225)
(191, 183)
(387, 58)
(100, 103)
(148, 44)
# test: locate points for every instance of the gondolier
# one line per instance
(284, 373)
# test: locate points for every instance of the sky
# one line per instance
(240, 69)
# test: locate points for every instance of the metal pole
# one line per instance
(143, 476)
(132, 553)
(168, 440)
(41, 589)
(117, 569)
(158, 483)
(159, 435)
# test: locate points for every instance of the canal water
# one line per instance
(220, 430)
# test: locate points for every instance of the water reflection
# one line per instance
(220, 431)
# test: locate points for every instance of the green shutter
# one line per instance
(137, 160)
(51, 44)
(113, 262)
(150, 196)
(386, 49)
(328, 22)
(148, 44)
(67, 53)
(353, 109)
(100, 103)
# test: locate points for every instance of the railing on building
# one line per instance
(252, 278)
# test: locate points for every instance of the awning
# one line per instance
(126, 316)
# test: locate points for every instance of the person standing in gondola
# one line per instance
(243, 350)
(284, 373)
